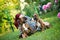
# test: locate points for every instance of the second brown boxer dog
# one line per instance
(42, 23)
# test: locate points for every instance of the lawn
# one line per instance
(52, 33)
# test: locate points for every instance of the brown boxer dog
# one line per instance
(43, 24)
(25, 28)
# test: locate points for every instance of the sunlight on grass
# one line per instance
(52, 33)
(49, 34)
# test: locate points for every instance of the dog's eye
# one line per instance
(24, 18)
(35, 18)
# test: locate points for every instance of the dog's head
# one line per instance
(35, 16)
(26, 28)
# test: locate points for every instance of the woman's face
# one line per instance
(21, 20)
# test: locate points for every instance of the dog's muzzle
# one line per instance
(38, 24)
(25, 27)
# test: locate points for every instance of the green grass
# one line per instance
(52, 33)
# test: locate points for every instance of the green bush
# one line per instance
(29, 10)
(0, 30)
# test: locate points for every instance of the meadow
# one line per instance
(53, 33)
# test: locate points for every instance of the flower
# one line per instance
(48, 4)
(22, 0)
(44, 7)
(56, 1)
(58, 15)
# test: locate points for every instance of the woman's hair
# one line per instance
(15, 22)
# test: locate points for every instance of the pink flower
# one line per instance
(58, 15)
(44, 7)
(48, 4)
(56, 1)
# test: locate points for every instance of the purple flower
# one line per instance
(48, 4)
(58, 15)
(44, 7)
(56, 1)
